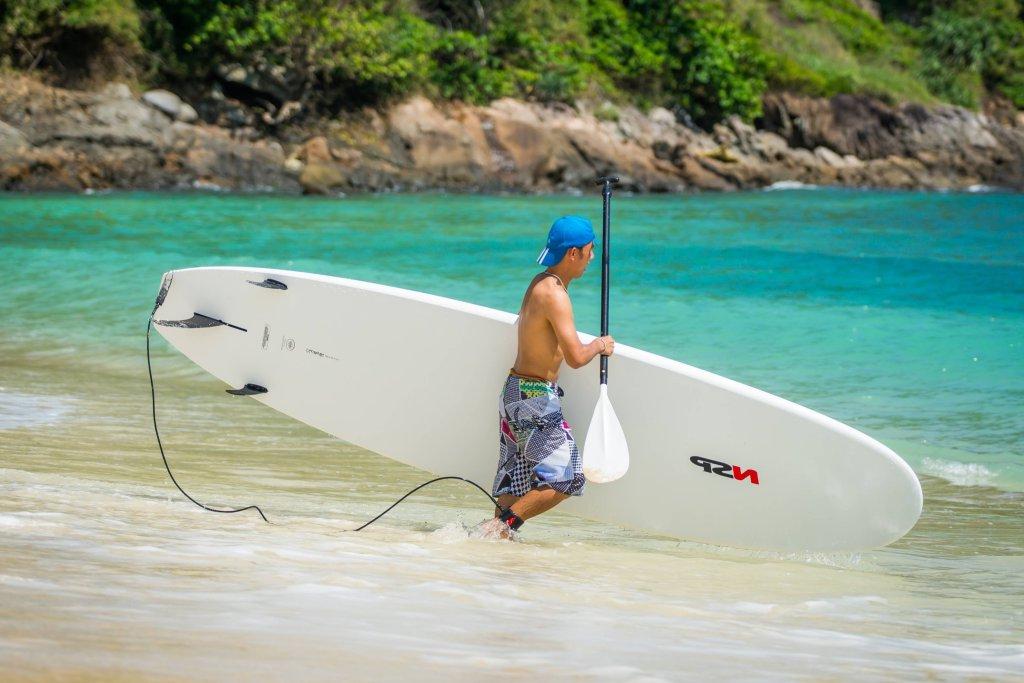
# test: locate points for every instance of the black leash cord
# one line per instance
(152, 390)
(167, 466)
(427, 483)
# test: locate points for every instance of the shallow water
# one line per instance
(898, 313)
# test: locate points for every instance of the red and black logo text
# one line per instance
(724, 469)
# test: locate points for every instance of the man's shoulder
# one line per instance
(545, 287)
(548, 293)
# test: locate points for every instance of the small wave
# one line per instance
(207, 186)
(976, 189)
(837, 559)
(487, 530)
(843, 604)
(29, 410)
(790, 185)
(959, 473)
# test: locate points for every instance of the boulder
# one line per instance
(315, 150)
(116, 91)
(321, 178)
(12, 140)
(444, 150)
(698, 176)
(662, 117)
(187, 113)
(163, 100)
(232, 164)
(170, 104)
(769, 147)
(829, 157)
(116, 122)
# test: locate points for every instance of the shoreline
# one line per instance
(211, 190)
(54, 139)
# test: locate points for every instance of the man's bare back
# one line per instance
(539, 354)
(547, 328)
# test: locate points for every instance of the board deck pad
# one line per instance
(416, 377)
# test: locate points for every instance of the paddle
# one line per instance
(605, 453)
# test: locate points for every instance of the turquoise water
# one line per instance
(901, 314)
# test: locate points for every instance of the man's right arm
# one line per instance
(577, 354)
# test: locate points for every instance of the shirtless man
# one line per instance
(538, 461)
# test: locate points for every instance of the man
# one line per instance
(538, 461)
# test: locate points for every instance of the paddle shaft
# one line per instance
(606, 225)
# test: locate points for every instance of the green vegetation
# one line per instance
(83, 37)
(711, 58)
(970, 48)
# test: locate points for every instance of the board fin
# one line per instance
(249, 389)
(198, 321)
(269, 283)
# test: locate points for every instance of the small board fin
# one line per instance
(248, 390)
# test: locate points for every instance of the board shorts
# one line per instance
(536, 448)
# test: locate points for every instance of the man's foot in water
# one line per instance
(494, 528)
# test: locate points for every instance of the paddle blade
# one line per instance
(605, 453)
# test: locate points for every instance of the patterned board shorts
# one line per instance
(536, 447)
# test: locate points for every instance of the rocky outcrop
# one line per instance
(59, 139)
(933, 147)
(55, 139)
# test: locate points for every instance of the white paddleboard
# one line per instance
(416, 378)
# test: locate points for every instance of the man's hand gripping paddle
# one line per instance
(605, 453)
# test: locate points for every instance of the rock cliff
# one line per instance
(51, 139)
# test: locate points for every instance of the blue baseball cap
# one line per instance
(565, 233)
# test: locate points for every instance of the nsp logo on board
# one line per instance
(724, 469)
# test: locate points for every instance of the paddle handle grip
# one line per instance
(606, 227)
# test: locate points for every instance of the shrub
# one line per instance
(724, 74)
(711, 68)
(540, 44)
(76, 39)
(465, 69)
(968, 47)
(619, 54)
(350, 53)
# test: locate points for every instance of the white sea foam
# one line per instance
(959, 473)
(30, 410)
(976, 189)
(790, 185)
(207, 186)
(753, 607)
(25, 582)
(10, 521)
(843, 604)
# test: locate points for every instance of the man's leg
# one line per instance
(537, 501)
(532, 504)
(505, 500)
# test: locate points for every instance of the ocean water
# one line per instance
(901, 314)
